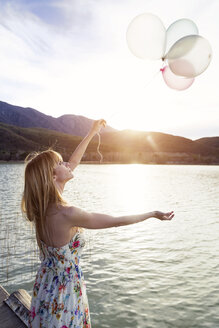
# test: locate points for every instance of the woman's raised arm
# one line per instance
(74, 216)
(77, 155)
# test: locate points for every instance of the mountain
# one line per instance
(25, 129)
(209, 142)
(31, 118)
(122, 147)
(158, 142)
(16, 142)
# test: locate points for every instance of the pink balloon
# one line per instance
(174, 81)
(182, 68)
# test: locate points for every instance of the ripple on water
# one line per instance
(149, 275)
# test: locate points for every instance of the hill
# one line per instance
(122, 146)
(16, 143)
(209, 142)
(25, 129)
(31, 118)
(156, 142)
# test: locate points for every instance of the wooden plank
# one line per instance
(22, 297)
(3, 294)
(8, 319)
(19, 302)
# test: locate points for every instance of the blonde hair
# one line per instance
(39, 188)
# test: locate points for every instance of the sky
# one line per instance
(71, 57)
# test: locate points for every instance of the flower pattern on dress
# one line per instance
(59, 294)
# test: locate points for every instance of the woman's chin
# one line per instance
(70, 177)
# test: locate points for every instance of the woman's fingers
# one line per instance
(164, 216)
(102, 122)
(169, 215)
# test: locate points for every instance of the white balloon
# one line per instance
(178, 30)
(146, 36)
(189, 56)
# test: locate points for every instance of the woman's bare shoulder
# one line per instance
(62, 214)
(75, 217)
(59, 209)
(60, 230)
(69, 210)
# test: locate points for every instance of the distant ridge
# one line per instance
(209, 142)
(31, 118)
(25, 129)
(157, 142)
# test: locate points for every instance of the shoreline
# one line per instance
(120, 163)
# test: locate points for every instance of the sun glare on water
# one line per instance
(133, 187)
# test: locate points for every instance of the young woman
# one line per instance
(59, 293)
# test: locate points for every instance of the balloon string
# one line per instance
(116, 112)
(98, 149)
(153, 77)
(150, 81)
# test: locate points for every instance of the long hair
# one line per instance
(39, 188)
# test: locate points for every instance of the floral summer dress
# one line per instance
(59, 294)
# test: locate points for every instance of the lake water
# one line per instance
(148, 275)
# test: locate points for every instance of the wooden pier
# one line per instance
(14, 308)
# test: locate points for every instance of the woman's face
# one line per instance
(62, 172)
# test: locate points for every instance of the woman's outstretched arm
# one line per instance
(74, 216)
(77, 155)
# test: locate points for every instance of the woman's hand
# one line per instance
(163, 216)
(97, 125)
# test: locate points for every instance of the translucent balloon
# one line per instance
(146, 37)
(174, 81)
(178, 30)
(189, 56)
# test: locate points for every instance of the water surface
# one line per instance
(148, 275)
